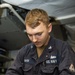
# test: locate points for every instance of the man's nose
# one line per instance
(34, 38)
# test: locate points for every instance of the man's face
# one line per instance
(39, 35)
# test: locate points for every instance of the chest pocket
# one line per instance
(28, 64)
(27, 67)
(50, 69)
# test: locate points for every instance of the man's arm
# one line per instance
(67, 61)
(17, 66)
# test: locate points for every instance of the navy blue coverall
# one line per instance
(57, 59)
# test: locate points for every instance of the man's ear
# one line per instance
(50, 27)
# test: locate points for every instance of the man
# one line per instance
(45, 55)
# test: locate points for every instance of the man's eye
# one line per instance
(39, 34)
(29, 35)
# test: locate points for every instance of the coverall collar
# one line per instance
(46, 53)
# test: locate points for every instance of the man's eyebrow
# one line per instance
(39, 32)
(35, 33)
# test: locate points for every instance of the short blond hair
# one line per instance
(35, 15)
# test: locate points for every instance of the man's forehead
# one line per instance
(36, 29)
(34, 32)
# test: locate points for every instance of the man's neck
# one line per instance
(40, 51)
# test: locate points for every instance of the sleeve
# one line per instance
(16, 67)
(67, 61)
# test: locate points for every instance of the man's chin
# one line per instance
(39, 46)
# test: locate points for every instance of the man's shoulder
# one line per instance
(27, 45)
(25, 49)
(60, 44)
(59, 41)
